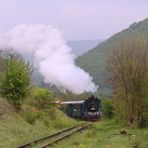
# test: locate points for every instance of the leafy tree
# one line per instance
(128, 66)
(15, 81)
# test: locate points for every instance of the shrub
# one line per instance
(42, 97)
(107, 108)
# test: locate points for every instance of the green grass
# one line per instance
(106, 134)
(15, 130)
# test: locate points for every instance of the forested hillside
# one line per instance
(95, 60)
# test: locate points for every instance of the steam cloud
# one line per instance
(52, 56)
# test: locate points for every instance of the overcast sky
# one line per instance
(78, 19)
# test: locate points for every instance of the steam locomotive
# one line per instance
(88, 109)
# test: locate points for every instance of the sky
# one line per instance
(77, 19)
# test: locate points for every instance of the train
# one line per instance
(88, 109)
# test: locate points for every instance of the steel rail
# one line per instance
(31, 143)
(63, 136)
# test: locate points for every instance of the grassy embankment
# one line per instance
(15, 130)
(106, 134)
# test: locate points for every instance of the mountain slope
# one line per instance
(95, 60)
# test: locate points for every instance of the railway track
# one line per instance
(51, 139)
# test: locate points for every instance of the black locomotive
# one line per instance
(88, 109)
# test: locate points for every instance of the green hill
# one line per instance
(95, 60)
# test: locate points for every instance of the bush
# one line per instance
(42, 97)
(107, 108)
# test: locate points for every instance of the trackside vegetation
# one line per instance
(107, 133)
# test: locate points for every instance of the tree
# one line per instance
(15, 81)
(128, 65)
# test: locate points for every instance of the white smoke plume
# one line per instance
(52, 56)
